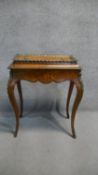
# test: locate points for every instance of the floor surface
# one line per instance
(44, 145)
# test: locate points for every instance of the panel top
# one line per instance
(44, 62)
(44, 58)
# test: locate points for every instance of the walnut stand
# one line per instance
(46, 69)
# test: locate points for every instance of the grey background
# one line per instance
(50, 27)
(44, 144)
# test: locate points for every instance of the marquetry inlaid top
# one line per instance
(44, 62)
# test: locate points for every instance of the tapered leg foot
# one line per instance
(15, 134)
(74, 134)
(67, 115)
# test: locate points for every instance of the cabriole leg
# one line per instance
(69, 97)
(79, 94)
(11, 86)
(20, 96)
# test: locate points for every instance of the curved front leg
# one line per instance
(68, 97)
(79, 94)
(20, 96)
(11, 86)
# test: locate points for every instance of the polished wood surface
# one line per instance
(46, 69)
